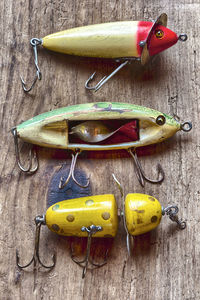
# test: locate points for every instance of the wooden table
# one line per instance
(165, 264)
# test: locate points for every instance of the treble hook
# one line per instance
(104, 79)
(71, 173)
(34, 43)
(91, 230)
(172, 211)
(140, 172)
(39, 220)
(32, 156)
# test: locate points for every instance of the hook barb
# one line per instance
(91, 230)
(32, 156)
(39, 220)
(140, 172)
(63, 183)
(105, 78)
(34, 43)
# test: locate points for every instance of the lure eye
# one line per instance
(159, 34)
(160, 120)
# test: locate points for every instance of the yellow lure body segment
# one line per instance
(69, 216)
(143, 213)
(108, 40)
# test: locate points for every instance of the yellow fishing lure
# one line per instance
(97, 216)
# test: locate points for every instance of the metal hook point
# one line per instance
(91, 230)
(34, 43)
(24, 84)
(105, 78)
(96, 87)
(39, 220)
(63, 182)
(32, 156)
(140, 172)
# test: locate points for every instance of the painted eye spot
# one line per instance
(70, 218)
(105, 215)
(160, 120)
(159, 34)
(154, 219)
(55, 227)
(139, 221)
(89, 202)
(55, 207)
(151, 198)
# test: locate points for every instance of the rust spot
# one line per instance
(105, 215)
(154, 219)
(70, 218)
(151, 198)
(55, 227)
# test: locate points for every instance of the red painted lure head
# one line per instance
(153, 38)
(160, 38)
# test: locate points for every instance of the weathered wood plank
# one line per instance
(166, 262)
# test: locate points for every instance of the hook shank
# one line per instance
(34, 43)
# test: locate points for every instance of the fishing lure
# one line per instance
(142, 213)
(97, 126)
(123, 41)
(97, 216)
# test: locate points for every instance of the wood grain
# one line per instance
(166, 261)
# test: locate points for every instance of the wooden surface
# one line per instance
(166, 261)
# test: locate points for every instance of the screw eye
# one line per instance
(160, 120)
(187, 126)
